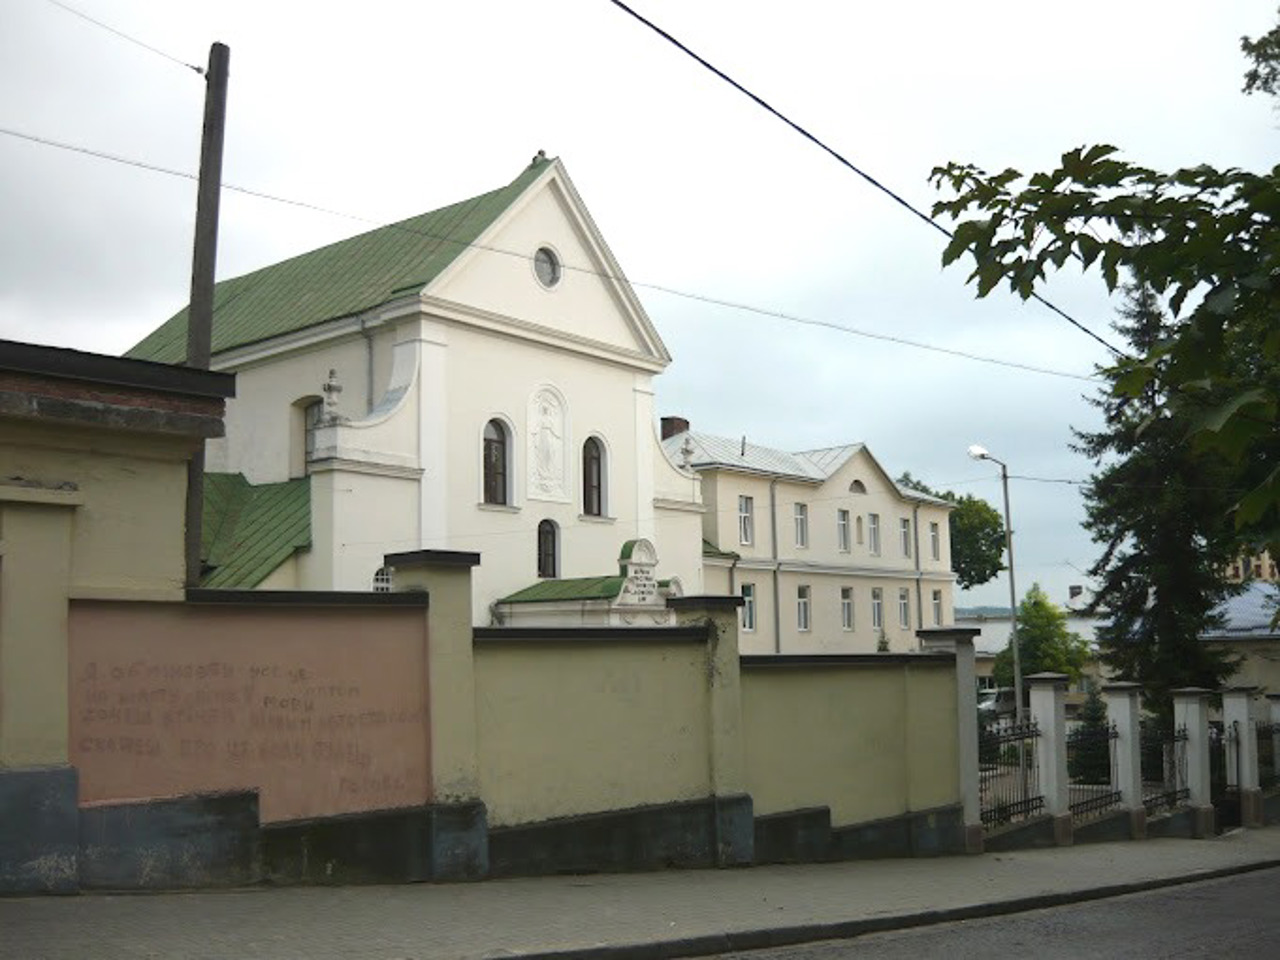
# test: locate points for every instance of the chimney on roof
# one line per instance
(674, 426)
(1074, 591)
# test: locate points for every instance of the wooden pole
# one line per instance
(203, 268)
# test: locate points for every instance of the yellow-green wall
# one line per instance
(868, 741)
(573, 728)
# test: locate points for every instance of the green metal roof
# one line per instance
(709, 549)
(582, 588)
(339, 280)
(248, 531)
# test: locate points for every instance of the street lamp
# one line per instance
(980, 453)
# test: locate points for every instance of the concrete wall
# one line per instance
(577, 727)
(869, 737)
(322, 709)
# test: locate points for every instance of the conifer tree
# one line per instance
(1161, 509)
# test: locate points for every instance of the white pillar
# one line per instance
(1242, 759)
(1048, 710)
(1191, 710)
(1124, 711)
(959, 640)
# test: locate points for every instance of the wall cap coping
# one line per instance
(603, 634)
(706, 601)
(1241, 688)
(1273, 697)
(60, 363)
(432, 558)
(777, 661)
(307, 598)
(948, 633)
(1121, 686)
(1191, 692)
(1047, 678)
(45, 496)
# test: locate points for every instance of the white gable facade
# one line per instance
(532, 335)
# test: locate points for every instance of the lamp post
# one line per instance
(980, 453)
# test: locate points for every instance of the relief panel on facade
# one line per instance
(548, 446)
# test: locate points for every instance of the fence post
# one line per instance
(1242, 770)
(1191, 710)
(1048, 710)
(1123, 710)
(960, 641)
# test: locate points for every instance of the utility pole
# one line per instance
(203, 264)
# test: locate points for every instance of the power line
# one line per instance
(659, 288)
(124, 36)
(897, 198)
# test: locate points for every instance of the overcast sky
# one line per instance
(389, 109)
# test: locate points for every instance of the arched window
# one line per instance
(382, 580)
(497, 462)
(857, 487)
(548, 561)
(593, 478)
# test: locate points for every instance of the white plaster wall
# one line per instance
(582, 303)
(257, 442)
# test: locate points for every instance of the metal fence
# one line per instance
(1266, 734)
(1091, 770)
(1224, 773)
(1164, 767)
(1009, 781)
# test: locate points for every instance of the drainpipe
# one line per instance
(777, 598)
(368, 364)
(915, 535)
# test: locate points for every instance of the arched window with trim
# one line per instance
(497, 463)
(593, 478)
(548, 550)
(382, 580)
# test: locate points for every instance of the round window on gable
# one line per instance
(546, 265)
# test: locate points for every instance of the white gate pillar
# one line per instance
(1242, 757)
(1124, 711)
(1048, 710)
(1191, 711)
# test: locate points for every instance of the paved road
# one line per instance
(1233, 917)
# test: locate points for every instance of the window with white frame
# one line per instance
(802, 608)
(877, 608)
(748, 591)
(802, 524)
(842, 530)
(904, 608)
(497, 463)
(873, 533)
(937, 608)
(593, 478)
(904, 535)
(935, 541)
(846, 608)
(746, 520)
(382, 580)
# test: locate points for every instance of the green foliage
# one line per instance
(1160, 508)
(977, 534)
(1089, 756)
(1044, 643)
(1203, 240)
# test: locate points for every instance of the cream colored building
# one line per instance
(828, 553)
(478, 378)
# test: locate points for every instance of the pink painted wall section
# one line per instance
(324, 710)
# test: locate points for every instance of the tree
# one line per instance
(1203, 240)
(1044, 642)
(1089, 752)
(977, 534)
(1160, 508)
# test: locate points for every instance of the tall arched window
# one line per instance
(497, 459)
(548, 561)
(593, 478)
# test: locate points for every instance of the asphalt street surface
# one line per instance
(1227, 918)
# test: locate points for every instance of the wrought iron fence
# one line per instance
(1266, 734)
(1164, 767)
(1009, 781)
(1091, 770)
